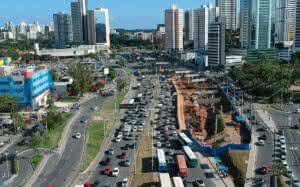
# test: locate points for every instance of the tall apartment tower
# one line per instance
(77, 25)
(91, 20)
(62, 30)
(174, 28)
(285, 15)
(262, 10)
(189, 25)
(245, 12)
(84, 11)
(297, 28)
(228, 10)
(201, 21)
(216, 44)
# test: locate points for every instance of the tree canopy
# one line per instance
(82, 76)
(264, 78)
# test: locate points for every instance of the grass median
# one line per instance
(51, 138)
(95, 139)
(36, 160)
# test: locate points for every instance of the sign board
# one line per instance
(106, 71)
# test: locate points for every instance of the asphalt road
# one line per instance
(60, 170)
(115, 162)
(167, 117)
(292, 136)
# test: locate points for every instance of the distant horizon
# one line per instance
(132, 14)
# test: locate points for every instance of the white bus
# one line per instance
(162, 164)
(178, 182)
(191, 157)
(165, 180)
(184, 140)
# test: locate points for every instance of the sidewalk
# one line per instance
(266, 118)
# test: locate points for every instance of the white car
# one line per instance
(78, 135)
(282, 141)
(125, 182)
(283, 146)
(260, 142)
(298, 110)
(118, 139)
(115, 172)
(158, 144)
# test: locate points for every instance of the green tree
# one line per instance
(8, 104)
(112, 74)
(82, 76)
(220, 122)
(19, 120)
(53, 119)
(121, 84)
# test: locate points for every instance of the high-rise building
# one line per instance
(216, 44)
(77, 22)
(189, 25)
(228, 12)
(84, 11)
(285, 15)
(91, 20)
(245, 12)
(256, 23)
(174, 28)
(262, 11)
(297, 28)
(213, 14)
(201, 19)
(62, 30)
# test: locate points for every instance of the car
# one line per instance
(199, 183)
(258, 181)
(115, 172)
(168, 144)
(107, 171)
(283, 157)
(77, 135)
(105, 162)
(83, 121)
(283, 146)
(110, 151)
(280, 132)
(118, 140)
(170, 152)
(126, 163)
(96, 183)
(298, 110)
(261, 129)
(158, 144)
(263, 170)
(94, 108)
(123, 155)
(126, 147)
(260, 143)
(282, 141)
(262, 137)
(125, 182)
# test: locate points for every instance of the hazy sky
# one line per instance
(128, 14)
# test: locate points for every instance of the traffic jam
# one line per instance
(119, 159)
(178, 164)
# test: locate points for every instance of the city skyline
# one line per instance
(124, 16)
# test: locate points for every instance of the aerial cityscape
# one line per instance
(150, 94)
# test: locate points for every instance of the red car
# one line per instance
(264, 170)
(123, 155)
(107, 171)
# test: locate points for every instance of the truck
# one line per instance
(182, 166)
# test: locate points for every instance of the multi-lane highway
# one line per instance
(136, 119)
(61, 169)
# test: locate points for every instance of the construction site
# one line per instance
(203, 110)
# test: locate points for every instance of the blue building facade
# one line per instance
(30, 87)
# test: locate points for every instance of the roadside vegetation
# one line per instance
(36, 160)
(265, 78)
(236, 162)
(82, 76)
(50, 137)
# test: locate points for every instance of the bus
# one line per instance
(165, 180)
(178, 182)
(182, 167)
(184, 140)
(162, 164)
(191, 157)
